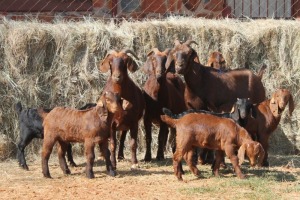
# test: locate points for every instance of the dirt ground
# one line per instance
(153, 180)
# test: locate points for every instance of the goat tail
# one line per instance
(18, 107)
(261, 71)
(168, 120)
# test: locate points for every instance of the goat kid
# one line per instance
(268, 115)
(216, 133)
(91, 126)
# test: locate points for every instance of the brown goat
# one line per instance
(119, 63)
(217, 61)
(216, 133)
(91, 126)
(268, 115)
(162, 89)
(206, 88)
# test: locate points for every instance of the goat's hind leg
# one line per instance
(189, 160)
(46, 152)
(62, 148)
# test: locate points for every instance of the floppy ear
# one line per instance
(274, 106)
(291, 105)
(253, 111)
(126, 105)
(241, 153)
(147, 67)
(102, 111)
(194, 56)
(261, 155)
(235, 113)
(170, 62)
(104, 65)
(131, 65)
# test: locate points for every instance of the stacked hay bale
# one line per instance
(56, 64)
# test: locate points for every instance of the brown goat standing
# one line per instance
(268, 115)
(162, 89)
(118, 63)
(91, 126)
(216, 133)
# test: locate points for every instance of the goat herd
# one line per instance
(215, 109)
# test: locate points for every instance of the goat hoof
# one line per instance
(147, 158)
(266, 164)
(112, 173)
(67, 171)
(90, 175)
(159, 158)
(47, 176)
(72, 164)
(24, 166)
(135, 166)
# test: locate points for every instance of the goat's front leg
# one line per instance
(121, 146)
(89, 147)
(70, 155)
(230, 153)
(104, 149)
(162, 138)
(133, 145)
(113, 149)
(219, 157)
(25, 139)
(62, 148)
(148, 126)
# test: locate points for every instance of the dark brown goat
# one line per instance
(216, 133)
(268, 115)
(162, 89)
(206, 88)
(118, 63)
(91, 126)
(217, 61)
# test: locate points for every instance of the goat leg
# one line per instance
(148, 126)
(217, 162)
(70, 156)
(230, 153)
(162, 137)
(104, 149)
(121, 146)
(90, 158)
(47, 149)
(21, 148)
(189, 160)
(133, 145)
(62, 148)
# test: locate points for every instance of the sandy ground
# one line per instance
(153, 180)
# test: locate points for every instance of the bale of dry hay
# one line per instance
(49, 65)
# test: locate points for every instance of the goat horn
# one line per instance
(131, 52)
(177, 42)
(189, 42)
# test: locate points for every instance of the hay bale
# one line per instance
(56, 64)
(7, 148)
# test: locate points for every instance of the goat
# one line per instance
(240, 112)
(162, 89)
(216, 133)
(217, 61)
(203, 84)
(268, 115)
(31, 126)
(208, 89)
(119, 81)
(91, 126)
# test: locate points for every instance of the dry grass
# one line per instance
(51, 65)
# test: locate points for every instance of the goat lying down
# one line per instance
(216, 133)
(91, 126)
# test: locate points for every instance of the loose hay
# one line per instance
(56, 64)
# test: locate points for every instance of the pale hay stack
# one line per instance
(49, 65)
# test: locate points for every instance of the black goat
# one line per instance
(31, 126)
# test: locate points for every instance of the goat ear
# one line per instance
(273, 107)
(194, 56)
(261, 155)
(235, 113)
(126, 105)
(104, 65)
(100, 103)
(241, 153)
(147, 67)
(131, 65)
(253, 112)
(291, 105)
(170, 62)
